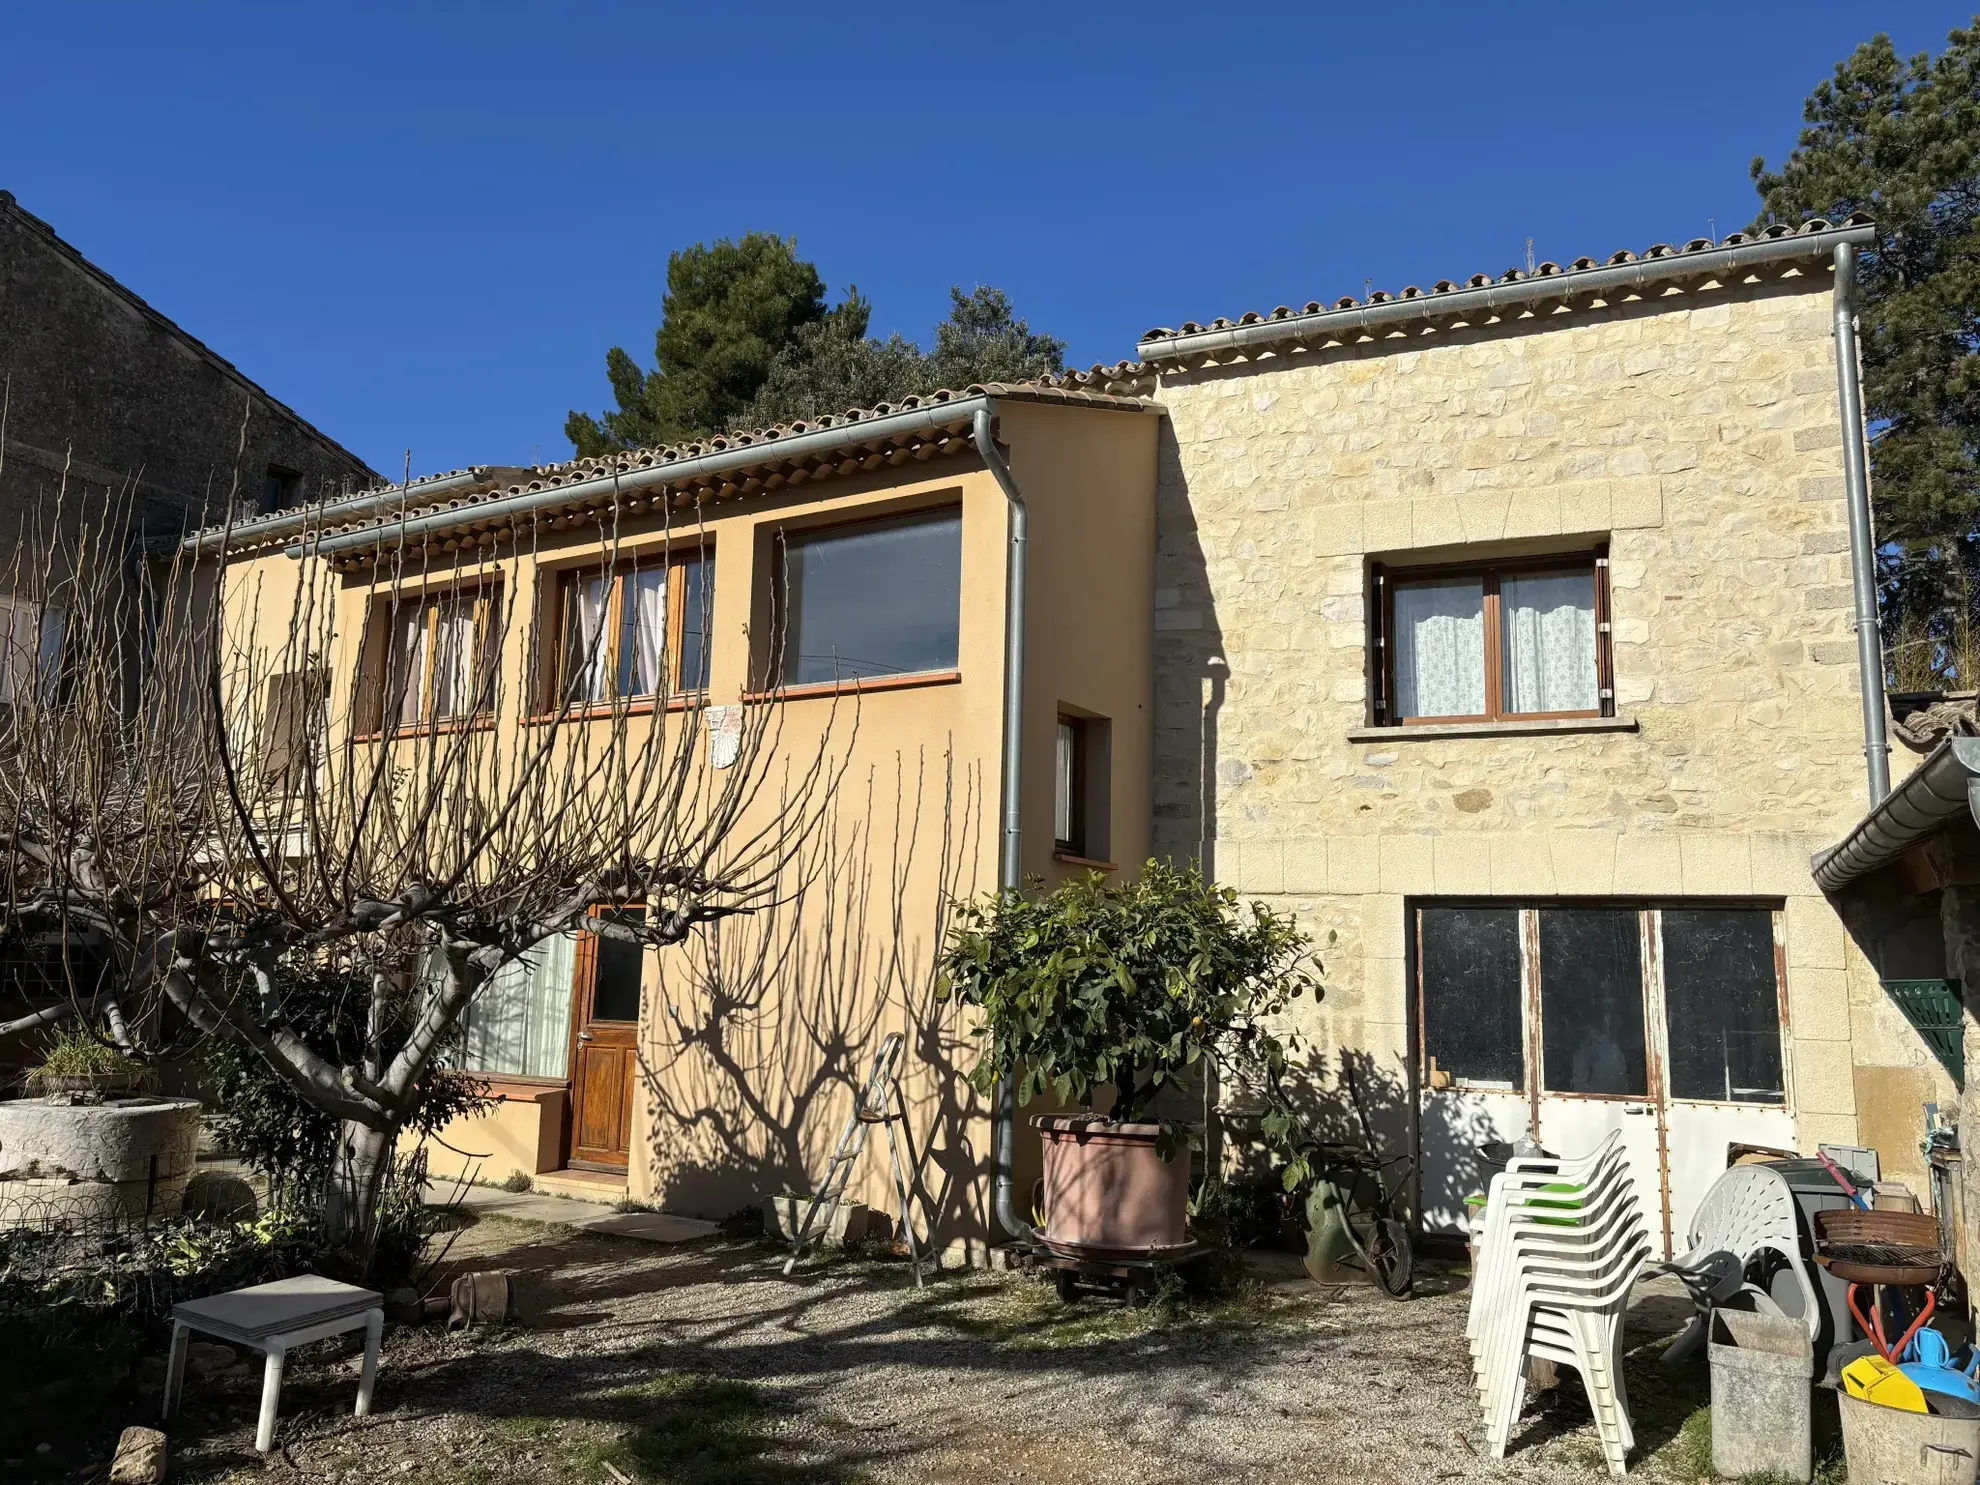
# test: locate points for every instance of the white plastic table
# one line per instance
(272, 1318)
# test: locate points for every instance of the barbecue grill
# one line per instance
(1881, 1248)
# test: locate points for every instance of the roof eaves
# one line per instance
(1701, 257)
(1937, 792)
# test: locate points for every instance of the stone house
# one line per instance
(101, 385)
(1504, 634)
(114, 418)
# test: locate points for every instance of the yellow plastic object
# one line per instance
(1875, 1380)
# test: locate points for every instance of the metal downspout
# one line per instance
(1010, 872)
(1862, 549)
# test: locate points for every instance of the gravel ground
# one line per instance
(699, 1362)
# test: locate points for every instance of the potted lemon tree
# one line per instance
(1130, 988)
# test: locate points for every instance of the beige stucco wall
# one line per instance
(754, 1035)
(1699, 435)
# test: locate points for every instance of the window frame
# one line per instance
(552, 679)
(1070, 774)
(376, 676)
(778, 599)
(1490, 572)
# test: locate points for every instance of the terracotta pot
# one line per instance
(1107, 1188)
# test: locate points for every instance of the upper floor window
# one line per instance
(440, 652)
(281, 488)
(30, 648)
(1494, 641)
(882, 598)
(633, 630)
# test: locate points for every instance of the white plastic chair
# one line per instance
(1749, 1210)
(1554, 1274)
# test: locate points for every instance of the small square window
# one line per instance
(636, 630)
(281, 488)
(439, 655)
(1491, 642)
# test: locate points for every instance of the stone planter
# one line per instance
(121, 1159)
(1108, 1190)
(847, 1222)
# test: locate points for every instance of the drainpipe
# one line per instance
(1003, 1114)
(1862, 549)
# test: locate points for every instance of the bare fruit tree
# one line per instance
(223, 774)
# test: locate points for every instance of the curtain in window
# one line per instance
(643, 637)
(1440, 648)
(519, 1025)
(1062, 783)
(405, 677)
(456, 661)
(587, 663)
(1549, 621)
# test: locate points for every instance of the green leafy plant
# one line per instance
(76, 1052)
(1137, 984)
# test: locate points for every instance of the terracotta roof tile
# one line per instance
(1662, 250)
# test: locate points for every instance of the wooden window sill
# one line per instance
(638, 706)
(515, 1088)
(1508, 727)
(483, 722)
(858, 686)
(1086, 861)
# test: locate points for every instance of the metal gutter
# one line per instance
(1941, 789)
(1862, 542)
(526, 503)
(1458, 302)
(1010, 866)
(291, 523)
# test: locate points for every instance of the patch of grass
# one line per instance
(1024, 1311)
(692, 1429)
(517, 1183)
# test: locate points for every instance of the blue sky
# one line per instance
(421, 224)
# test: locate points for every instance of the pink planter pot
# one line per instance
(1106, 1188)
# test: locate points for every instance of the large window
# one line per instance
(1491, 976)
(1485, 643)
(440, 652)
(882, 598)
(635, 630)
(519, 1023)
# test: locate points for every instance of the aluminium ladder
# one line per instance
(880, 1102)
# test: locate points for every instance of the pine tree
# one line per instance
(729, 312)
(1900, 140)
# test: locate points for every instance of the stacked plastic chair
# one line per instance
(1749, 1210)
(1560, 1245)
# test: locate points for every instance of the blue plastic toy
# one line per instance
(1928, 1362)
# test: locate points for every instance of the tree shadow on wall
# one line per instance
(1352, 1097)
(766, 1027)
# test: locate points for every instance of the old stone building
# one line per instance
(104, 391)
(1504, 634)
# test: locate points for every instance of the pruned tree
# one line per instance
(227, 777)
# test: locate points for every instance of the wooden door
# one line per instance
(605, 1020)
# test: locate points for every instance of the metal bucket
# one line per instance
(1885, 1446)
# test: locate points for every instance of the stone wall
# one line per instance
(1697, 433)
(100, 384)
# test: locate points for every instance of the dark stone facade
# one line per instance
(97, 379)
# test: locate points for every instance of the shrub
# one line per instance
(1139, 984)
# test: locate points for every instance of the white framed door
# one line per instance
(1564, 1021)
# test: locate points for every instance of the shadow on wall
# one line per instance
(767, 1026)
(1191, 674)
(1341, 1096)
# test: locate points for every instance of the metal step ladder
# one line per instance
(880, 1102)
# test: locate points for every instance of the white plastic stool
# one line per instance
(271, 1319)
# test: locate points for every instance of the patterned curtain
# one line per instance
(1549, 621)
(1440, 648)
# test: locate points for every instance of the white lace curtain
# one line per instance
(455, 670)
(1440, 648)
(1549, 622)
(519, 1024)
